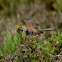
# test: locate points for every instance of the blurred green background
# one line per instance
(45, 13)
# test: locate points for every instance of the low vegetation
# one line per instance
(22, 48)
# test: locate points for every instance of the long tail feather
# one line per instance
(49, 29)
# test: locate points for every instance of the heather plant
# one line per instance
(9, 44)
(22, 48)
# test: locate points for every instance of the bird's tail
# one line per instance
(49, 29)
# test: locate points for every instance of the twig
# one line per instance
(58, 55)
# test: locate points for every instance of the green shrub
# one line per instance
(26, 48)
(10, 43)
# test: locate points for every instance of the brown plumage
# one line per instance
(33, 29)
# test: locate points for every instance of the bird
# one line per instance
(34, 29)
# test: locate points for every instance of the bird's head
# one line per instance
(28, 20)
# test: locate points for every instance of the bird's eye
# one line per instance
(27, 20)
